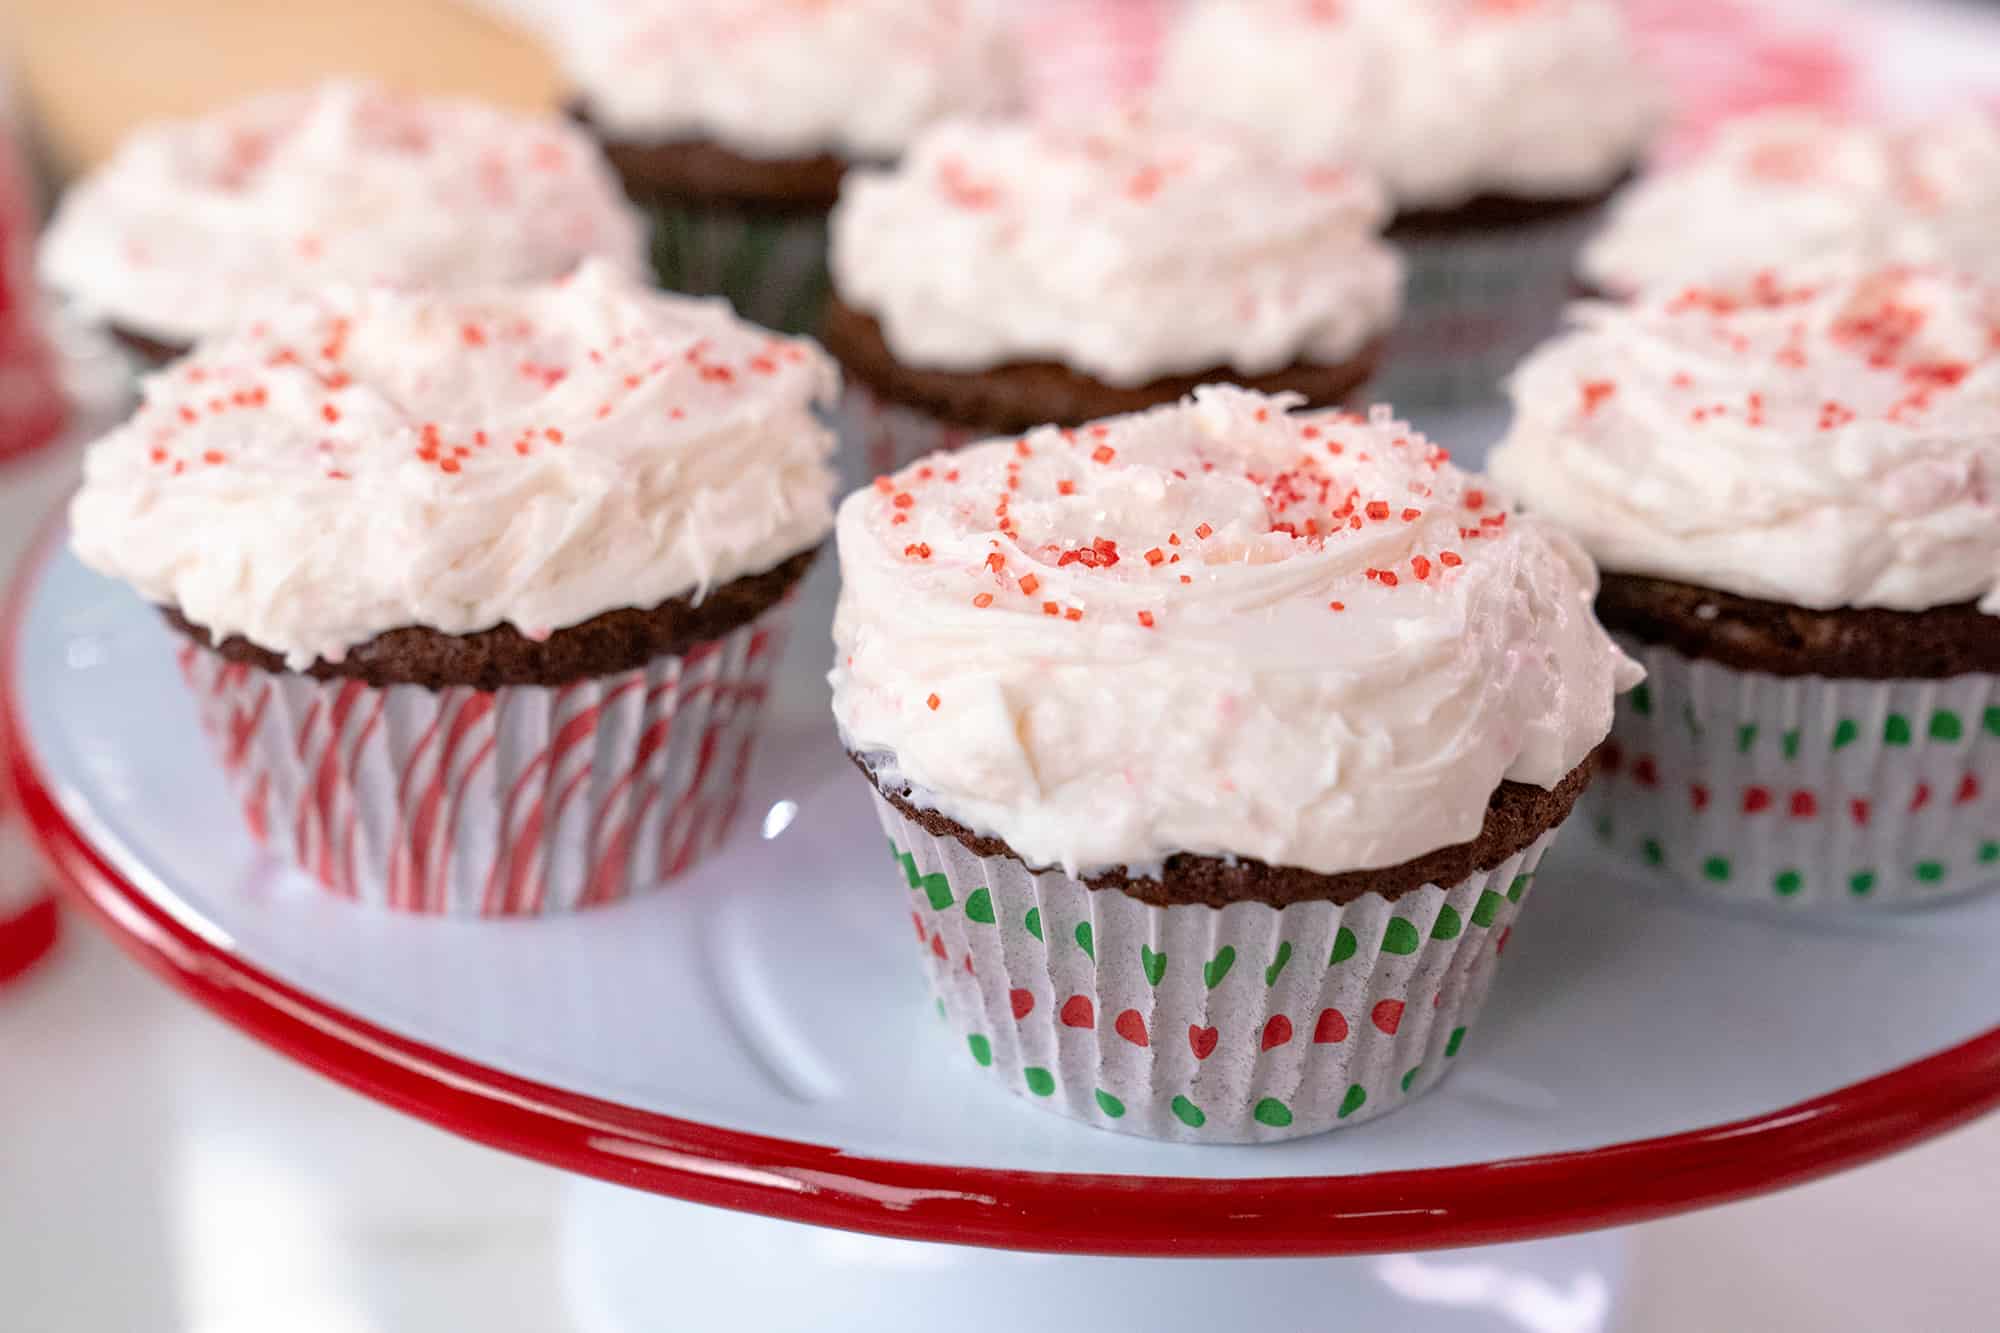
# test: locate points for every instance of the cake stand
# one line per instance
(757, 1040)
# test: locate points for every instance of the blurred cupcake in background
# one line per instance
(194, 224)
(733, 121)
(1498, 129)
(1790, 484)
(479, 593)
(1795, 186)
(1217, 746)
(1009, 274)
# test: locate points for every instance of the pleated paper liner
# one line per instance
(1803, 792)
(1245, 1024)
(1475, 304)
(523, 801)
(772, 267)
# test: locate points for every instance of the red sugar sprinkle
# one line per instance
(329, 411)
(1594, 394)
(983, 600)
(1021, 448)
(1336, 606)
(921, 550)
(189, 415)
(933, 701)
(899, 520)
(1422, 567)
(1204, 532)
(1377, 510)
(1065, 488)
(1173, 539)
(1412, 515)
(1310, 432)
(449, 465)
(1051, 609)
(1028, 585)
(1450, 559)
(1388, 579)
(1103, 453)
(884, 485)
(523, 448)
(903, 500)
(1146, 619)
(1186, 579)
(1156, 556)
(1475, 500)
(553, 435)
(214, 457)
(474, 335)
(996, 562)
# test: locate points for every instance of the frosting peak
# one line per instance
(1224, 627)
(194, 223)
(1121, 248)
(372, 460)
(1799, 186)
(1443, 99)
(1822, 441)
(789, 78)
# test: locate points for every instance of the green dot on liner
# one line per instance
(1896, 731)
(1187, 1112)
(1945, 725)
(1716, 868)
(982, 1049)
(1519, 887)
(1110, 1105)
(1653, 852)
(1790, 741)
(979, 907)
(1930, 872)
(1846, 733)
(1456, 1040)
(1487, 909)
(1788, 883)
(1448, 924)
(940, 1005)
(1989, 852)
(1861, 883)
(1033, 921)
(1270, 1111)
(1400, 937)
(1344, 946)
(1085, 941)
(1992, 721)
(1642, 700)
(1039, 1080)
(1746, 737)
(1411, 1077)
(1353, 1101)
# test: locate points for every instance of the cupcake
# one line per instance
(1008, 275)
(1498, 129)
(1217, 746)
(193, 224)
(734, 121)
(1790, 487)
(479, 594)
(1797, 186)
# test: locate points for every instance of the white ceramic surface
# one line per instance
(773, 992)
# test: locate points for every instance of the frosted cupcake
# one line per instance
(1796, 186)
(1009, 275)
(1498, 128)
(479, 594)
(733, 121)
(1789, 484)
(1218, 746)
(193, 224)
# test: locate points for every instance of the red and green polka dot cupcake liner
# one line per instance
(1807, 793)
(772, 268)
(1474, 305)
(1245, 1024)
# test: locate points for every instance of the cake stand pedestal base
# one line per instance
(636, 1263)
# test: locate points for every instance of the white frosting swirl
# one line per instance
(1825, 443)
(530, 455)
(1107, 645)
(789, 78)
(193, 224)
(1443, 99)
(1118, 249)
(1796, 186)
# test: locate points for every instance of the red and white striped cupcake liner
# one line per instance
(523, 801)
(1806, 793)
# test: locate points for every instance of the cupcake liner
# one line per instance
(878, 437)
(1804, 792)
(1474, 304)
(772, 267)
(1244, 1024)
(523, 801)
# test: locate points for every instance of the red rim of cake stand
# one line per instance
(26, 938)
(1511, 1200)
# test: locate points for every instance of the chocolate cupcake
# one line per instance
(479, 594)
(1218, 746)
(1798, 186)
(733, 122)
(1789, 484)
(193, 225)
(1499, 130)
(1009, 275)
